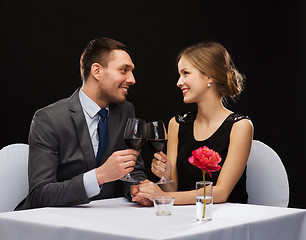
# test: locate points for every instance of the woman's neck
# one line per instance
(212, 111)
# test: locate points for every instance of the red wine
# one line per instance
(134, 143)
(157, 144)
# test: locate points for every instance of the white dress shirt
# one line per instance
(91, 109)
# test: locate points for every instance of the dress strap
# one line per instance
(235, 117)
(186, 118)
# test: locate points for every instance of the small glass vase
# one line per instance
(204, 201)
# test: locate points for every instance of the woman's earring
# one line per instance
(209, 85)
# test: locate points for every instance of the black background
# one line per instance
(42, 42)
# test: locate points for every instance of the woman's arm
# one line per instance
(238, 153)
(165, 165)
(149, 190)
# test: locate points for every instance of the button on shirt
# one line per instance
(91, 109)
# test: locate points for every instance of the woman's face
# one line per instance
(192, 82)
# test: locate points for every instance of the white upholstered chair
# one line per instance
(267, 181)
(13, 175)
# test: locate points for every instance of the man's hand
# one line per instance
(116, 166)
(148, 190)
(141, 200)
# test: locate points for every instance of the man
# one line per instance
(64, 164)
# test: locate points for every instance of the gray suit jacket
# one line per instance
(61, 152)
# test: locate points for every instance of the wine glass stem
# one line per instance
(128, 175)
(163, 179)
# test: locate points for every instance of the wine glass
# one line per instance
(134, 137)
(156, 136)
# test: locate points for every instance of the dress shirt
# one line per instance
(91, 109)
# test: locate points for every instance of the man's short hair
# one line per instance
(98, 51)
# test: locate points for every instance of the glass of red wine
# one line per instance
(134, 137)
(156, 137)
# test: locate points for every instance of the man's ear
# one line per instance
(96, 70)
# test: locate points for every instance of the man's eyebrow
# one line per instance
(128, 66)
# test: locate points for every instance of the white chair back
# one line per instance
(14, 185)
(267, 181)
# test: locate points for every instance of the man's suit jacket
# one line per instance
(61, 152)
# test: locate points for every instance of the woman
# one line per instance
(208, 78)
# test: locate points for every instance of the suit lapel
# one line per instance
(78, 117)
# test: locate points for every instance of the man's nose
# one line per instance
(131, 79)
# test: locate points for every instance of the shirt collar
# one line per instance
(89, 106)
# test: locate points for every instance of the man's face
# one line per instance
(116, 78)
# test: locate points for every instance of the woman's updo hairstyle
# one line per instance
(213, 60)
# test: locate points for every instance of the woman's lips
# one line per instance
(185, 90)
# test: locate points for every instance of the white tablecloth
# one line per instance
(120, 219)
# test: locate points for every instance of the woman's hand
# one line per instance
(134, 190)
(148, 190)
(161, 166)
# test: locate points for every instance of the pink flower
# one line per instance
(206, 159)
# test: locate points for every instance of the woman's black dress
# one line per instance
(188, 174)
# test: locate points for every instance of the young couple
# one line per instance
(64, 167)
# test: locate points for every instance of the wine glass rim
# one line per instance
(156, 121)
(134, 118)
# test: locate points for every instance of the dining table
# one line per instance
(119, 218)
